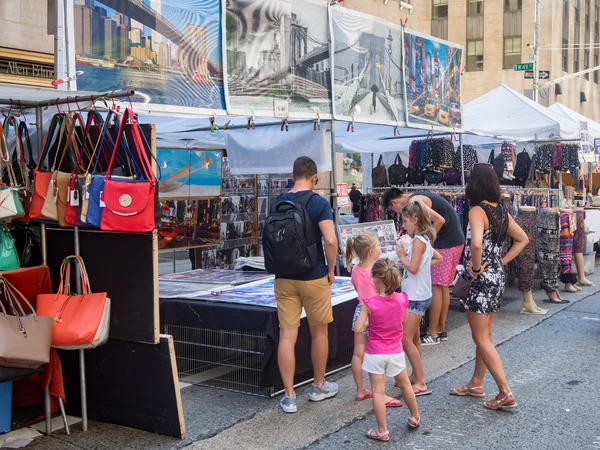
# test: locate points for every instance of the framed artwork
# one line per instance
(186, 174)
(189, 223)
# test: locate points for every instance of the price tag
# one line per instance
(281, 108)
(74, 198)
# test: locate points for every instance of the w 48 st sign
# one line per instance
(544, 74)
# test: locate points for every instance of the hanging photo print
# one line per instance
(169, 50)
(276, 58)
(189, 223)
(189, 173)
(368, 85)
(433, 82)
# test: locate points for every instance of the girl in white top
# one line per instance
(417, 259)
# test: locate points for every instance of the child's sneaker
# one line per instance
(428, 339)
(443, 336)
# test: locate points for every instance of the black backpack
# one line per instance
(397, 172)
(289, 239)
(521, 172)
(415, 176)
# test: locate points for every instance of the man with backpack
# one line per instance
(298, 224)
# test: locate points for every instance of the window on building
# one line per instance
(440, 9)
(575, 60)
(596, 20)
(474, 56)
(513, 5)
(586, 62)
(565, 55)
(596, 63)
(474, 7)
(576, 10)
(512, 51)
(587, 14)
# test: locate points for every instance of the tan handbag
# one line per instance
(60, 180)
(24, 339)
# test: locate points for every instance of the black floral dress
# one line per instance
(486, 291)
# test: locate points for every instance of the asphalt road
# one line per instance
(553, 369)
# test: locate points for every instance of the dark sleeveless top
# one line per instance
(451, 234)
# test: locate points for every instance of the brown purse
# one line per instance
(379, 174)
(24, 339)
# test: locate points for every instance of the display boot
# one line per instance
(579, 263)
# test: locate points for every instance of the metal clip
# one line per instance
(285, 124)
(317, 122)
(214, 126)
(251, 122)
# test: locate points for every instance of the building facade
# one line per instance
(497, 34)
(26, 43)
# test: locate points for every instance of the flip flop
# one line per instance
(421, 392)
(367, 396)
(558, 302)
(414, 423)
(377, 436)
(393, 403)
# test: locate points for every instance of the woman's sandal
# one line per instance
(508, 402)
(414, 423)
(467, 391)
(377, 436)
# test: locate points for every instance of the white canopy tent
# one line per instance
(506, 114)
(593, 127)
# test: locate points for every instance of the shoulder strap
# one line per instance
(491, 159)
(305, 198)
(398, 160)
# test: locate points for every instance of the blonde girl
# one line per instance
(384, 355)
(417, 256)
(366, 247)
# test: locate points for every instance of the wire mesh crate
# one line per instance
(223, 359)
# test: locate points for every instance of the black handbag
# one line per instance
(27, 244)
(415, 176)
(433, 177)
(379, 174)
(397, 172)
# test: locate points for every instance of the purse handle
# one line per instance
(5, 155)
(10, 294)
(54, 130)
(24, 133)
(65, 276)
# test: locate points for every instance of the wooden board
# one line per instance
(125, 265)
(129, 384)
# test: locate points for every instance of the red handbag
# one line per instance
(80, 321)
(41, 179)
(130, 204)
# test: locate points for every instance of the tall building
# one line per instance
(83, 30)
(135, 35)
(123, 42)
(496, 35)
(98, 41)
(110, 38)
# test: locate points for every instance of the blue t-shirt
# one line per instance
(318, 210)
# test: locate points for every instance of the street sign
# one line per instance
(524, 66)
(544, 74)
(597, 146)
(532, 57)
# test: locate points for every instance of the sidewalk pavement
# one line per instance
(224, 420)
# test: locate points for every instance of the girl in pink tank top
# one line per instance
(366, 248)
(384, 355)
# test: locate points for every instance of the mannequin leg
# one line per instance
(581, 270)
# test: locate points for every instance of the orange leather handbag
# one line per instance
(80, 321)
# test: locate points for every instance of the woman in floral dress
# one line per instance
(489, 224)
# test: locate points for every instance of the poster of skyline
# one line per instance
(432, 81)
(276, 58)
(169, 50)
(368, 85)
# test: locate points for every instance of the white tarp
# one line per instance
(593, 127)
(506, 114)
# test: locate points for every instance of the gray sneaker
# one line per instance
(288, 404)
(328, 390)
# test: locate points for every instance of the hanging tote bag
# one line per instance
(9, 259)
(397, 172)
(26, 190)
(10, 201)
(379, 174)
(63, 179)
(41, 175)
(80, 321)
(24, 339)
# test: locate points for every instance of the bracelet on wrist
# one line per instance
(476, 270)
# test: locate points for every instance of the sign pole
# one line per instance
(536, 52)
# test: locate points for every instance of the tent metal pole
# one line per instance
(65, 100)
(462, 160)
(239, 127)
(334, 191)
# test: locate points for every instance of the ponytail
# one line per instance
(360, 246)
(418, 210)
(349, 253)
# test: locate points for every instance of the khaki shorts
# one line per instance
(293, 295)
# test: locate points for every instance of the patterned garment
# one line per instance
(509, 154)
(548, 247)
(486, 291)
(526, 259)
(579, 235)
(470, 158)
(570, 156)
(543, 158)
(444, 273)
(566, 249)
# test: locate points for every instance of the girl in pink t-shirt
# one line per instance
(384, 355)
(366, 247)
